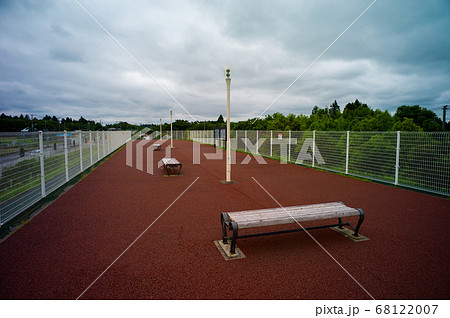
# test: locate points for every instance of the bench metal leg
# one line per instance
(223, 223)
(340, 223)
(234, 227)
(172, 168)
(361, 219)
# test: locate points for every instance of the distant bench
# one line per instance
(233, 221)
(171, 163)
(156, 146)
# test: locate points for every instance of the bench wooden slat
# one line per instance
(319, 205)
(290, 214)
(281, 212)
(276, 216)
(170, 161)
(320, 208)
(287, 220)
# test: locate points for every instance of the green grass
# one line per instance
(12, 191)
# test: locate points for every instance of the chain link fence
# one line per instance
(419, 160)
(32, 165)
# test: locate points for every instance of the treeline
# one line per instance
(48, 123)
(355, 116)
(180, 124)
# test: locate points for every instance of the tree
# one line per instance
(424, 118)
(335, 110)
(220, 120)
(407, 124)
(315, 110)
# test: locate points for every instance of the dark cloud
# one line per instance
(55, 59)
(63, 55)
(59, 30)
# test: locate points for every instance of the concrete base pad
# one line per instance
(349, 234)
(172, 175)
(224, 249)
(226, 182)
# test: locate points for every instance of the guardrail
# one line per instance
(32, 165)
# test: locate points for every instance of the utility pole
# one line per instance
(444, 111)
(32, 121)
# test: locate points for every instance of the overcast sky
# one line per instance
(55, 59)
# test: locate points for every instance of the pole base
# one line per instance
(227, 182)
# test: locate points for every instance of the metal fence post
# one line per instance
(103, 143)
(66, 156)
(397, 158)
(289, 147)
(257, 143)
(41, 155)
(81, 152)
(90, 147)
(108, 151)
(98, 147)
(314, 148)
(108, 141)
(271, 133)
(112, 137)
(346, 152)
(245, 138)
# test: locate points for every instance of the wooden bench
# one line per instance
(171, 163)
(233, 221)
(156, 146)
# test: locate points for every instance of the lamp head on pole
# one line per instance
(227, 72)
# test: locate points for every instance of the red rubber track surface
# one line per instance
(69, 244)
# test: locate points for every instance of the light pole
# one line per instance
(171, 134)
(160, 128)
(227, 73)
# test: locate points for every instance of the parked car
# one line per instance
(35, 153)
